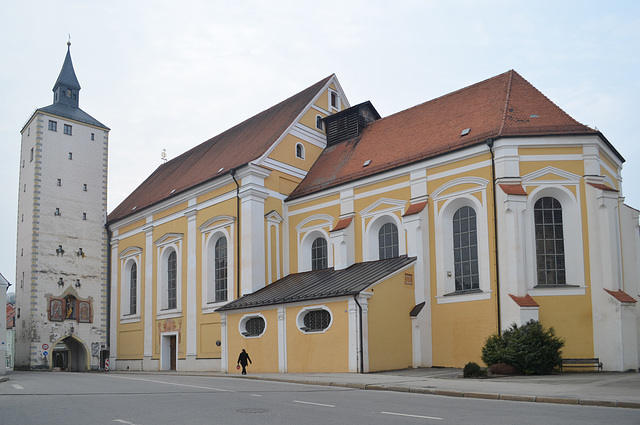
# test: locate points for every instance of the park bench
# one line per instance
(595, 362)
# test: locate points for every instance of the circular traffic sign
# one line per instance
(45, 353)
(45, 346)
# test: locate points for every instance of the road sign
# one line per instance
(45, 353)
(45, 346)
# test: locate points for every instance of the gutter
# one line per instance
(109, 235)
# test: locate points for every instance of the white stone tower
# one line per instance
(61, 267)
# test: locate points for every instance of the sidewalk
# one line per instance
(608, 389)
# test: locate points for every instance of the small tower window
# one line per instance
(57, 211)
(299, 151)
(84, 187)
(31, 155)
(53, 125)
(84, 216)
(93, 136)
(70, 155)
(67, 129)
(59, 182)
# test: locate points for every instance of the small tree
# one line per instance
(529, 348)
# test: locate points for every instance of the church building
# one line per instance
(322, 237)
(61, 266)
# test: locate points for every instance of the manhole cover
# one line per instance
(253, 410)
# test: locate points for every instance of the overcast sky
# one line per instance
(171, 74)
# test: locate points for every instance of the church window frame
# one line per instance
(319, 254)
(314, 319)
(299, 151)
(130, 291)
(465, 250)
(213, 230)
(388, 245)
(308, 230)
(169, 282)
(252, 325)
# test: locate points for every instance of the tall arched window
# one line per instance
(319, 258)
(133, 289)
(299, 151)
(549, 242)
(319, 123)
(388, 241)
(172, 282)
(220, 269)
(465, 250)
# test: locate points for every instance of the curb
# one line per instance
(462, 394)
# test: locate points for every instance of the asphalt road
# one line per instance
(145, 399)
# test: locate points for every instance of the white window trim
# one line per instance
(305, 310)
(373, 219)
(242, 323)
(306, 236)
(331, 108)
(132, 255)
(573, 246)
(321, 123)
(165, 245)
(445, 207)
(211, 231)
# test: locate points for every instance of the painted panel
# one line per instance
(130, 345)
(207, 337)
(231, 187)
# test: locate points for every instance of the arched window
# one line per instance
(319, 254)
(319, 123)
(549, 242)
(172, 282)
(388, 241)
(299, 151)
(133, 289)
(220, 269)
(465, 250)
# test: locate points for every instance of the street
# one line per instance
(146, 399)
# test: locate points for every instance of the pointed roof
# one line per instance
(233, 148)
(67, 74)
(503, 106)
(320, 284)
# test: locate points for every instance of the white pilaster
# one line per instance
(344, 243)
(282, 339)
(224, 346)
(148, 297)
(191, 331)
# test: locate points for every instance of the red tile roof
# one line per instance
(526, 301)
(513, 189)
(235, 147)
(502, 106)
(342, 224)
(622, 296)
(602, 187)
(415, 208)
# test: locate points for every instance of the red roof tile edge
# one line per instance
(622, 296)
(415, 208)
(342, 224)
(513, 189)
(526, 301)
(603, 187)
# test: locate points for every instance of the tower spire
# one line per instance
(66, 90)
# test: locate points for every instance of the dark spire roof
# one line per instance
(67, 75)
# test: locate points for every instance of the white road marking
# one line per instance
(171, 383)
(256, 395)
(315, 404)
(123, 422)
(412, 416)
(17, 387)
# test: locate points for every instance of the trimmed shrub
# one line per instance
(473, 370)
(530, 348)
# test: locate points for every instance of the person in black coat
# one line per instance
(242, 360)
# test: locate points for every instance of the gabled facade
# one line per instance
(403, 241)
(61, 279)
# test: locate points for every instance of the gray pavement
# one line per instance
(608, 389)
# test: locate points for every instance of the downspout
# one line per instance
(109, 235)
(495, 231)
(233, 176)
(355, 298)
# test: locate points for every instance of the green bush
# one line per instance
(473, 370)
(529, 348)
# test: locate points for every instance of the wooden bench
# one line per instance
(581, 363)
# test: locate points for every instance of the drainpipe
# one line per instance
(109, 235)
(233, 176)
(355, 298)
(495, 231)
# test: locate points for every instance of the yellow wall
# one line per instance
(571, 318)
(263, 351)
(390, 338)
(319, 352)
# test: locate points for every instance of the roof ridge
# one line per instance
(506, 103)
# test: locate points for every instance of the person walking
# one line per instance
(242, 360)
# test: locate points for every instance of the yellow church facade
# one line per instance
(321, 237)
